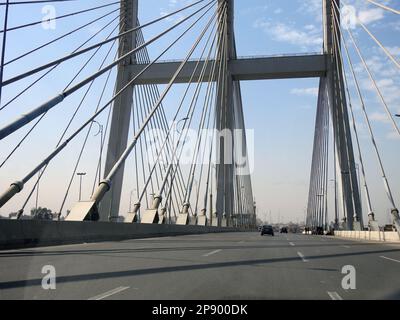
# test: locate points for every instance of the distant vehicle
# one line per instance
(267, 229)
(284, 230)
(389, 227)
(260, 228)
(318, 231)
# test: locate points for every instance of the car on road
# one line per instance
(284, 230)
(267, 229)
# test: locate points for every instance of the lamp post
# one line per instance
(100, 131)
(177, 131)
(37, 192)
(176, 126)
(130, 200)
(336, 205)
(80, 174)
(320, 196)
(359, 182)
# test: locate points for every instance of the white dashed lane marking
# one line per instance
(302, 256)
(394, 260)
(334, 295)
(212, 252)
(108, 293)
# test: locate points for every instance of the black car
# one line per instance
(284, 230)
(267, 230)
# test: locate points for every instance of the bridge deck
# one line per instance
(213, 266)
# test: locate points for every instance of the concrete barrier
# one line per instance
(384, 236)
(30, 233)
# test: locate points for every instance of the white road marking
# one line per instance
(348, 247)
(291, 243)
(66, 246)
(211, 253)
(241, 241)
(383, 257)
(302, 256)
(334, 295)
(108, 293)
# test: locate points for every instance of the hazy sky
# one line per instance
(281, 112)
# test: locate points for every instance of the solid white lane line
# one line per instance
(108, 293)
(334, 295)
(348, 247)
(211, 253)
(383, 257)
(302, 256)
(291, 243)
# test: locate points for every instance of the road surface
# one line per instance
(211, 266)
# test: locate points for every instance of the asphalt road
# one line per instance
(213, 266)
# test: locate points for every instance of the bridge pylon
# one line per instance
(121, 112)
(333, 92)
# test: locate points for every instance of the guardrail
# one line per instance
(31, 233)
(384, 236)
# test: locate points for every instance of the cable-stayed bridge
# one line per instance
(187, 169)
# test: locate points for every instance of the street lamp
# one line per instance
(183, 119)
(397, 115)
(37, 192)
(80, 174)
(100, 131)
(336, 204)
(359, 181)
(179, 133)
(130, 200)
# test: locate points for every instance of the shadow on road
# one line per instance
(201, 266)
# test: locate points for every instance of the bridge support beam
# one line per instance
(340, 121)
(121, 111)
(225, 122)
(242, 69)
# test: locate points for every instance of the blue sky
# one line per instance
(281, 112)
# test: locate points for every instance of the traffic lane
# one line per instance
(375, 277)
(78, 266)
(271, 271)
(98, 263)
(246, 251)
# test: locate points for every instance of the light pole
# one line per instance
(179, 132)
(336, 205)
(359, 182)
(100, 131)
(37, 192)
(80, 174)
(320, 196)
(176, 126)
(130, 200)
(196, 183)
(397, 115)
